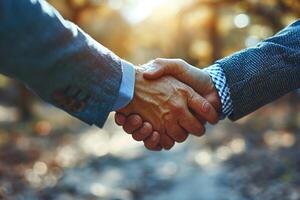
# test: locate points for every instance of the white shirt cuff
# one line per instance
(126, 91)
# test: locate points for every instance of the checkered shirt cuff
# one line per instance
(219, 79)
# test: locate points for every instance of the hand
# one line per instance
(165, 103)
(194, 77)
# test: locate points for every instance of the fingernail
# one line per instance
(205, 107)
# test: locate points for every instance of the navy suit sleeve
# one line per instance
(259, 75)
(57, 60)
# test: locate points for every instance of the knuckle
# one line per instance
(191, 93)
(203, 106)
(146, 129)
(168, 118)
(135, 121)
(187, 92)
(180, 61)
(158, 61)
(175, 107)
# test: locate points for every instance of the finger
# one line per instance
(203, 108)
(162, 67)
(166, 142)
(143, 132)
(214, 100)
(152, 143)
(191, 124)
(155, 72)
(175, 131)
(157, 148)
(120, 119)
(133, 123)
(199, 118)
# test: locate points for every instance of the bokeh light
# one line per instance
(241, 20)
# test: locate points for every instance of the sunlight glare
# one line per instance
(138, 10)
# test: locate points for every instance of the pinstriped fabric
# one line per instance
(219, 79)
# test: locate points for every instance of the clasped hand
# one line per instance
(172, 99)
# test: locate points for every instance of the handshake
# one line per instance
(172, 99)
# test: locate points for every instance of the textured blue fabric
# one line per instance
(48, 54)
(259, 75)
(219, 79)
(126, 91)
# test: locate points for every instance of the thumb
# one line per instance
(155, 72)
(163, 67)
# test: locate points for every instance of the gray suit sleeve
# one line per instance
(257, 76)
(57, 60)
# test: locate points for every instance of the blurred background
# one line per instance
(46, 154)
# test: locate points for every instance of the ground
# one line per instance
(56, 157)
